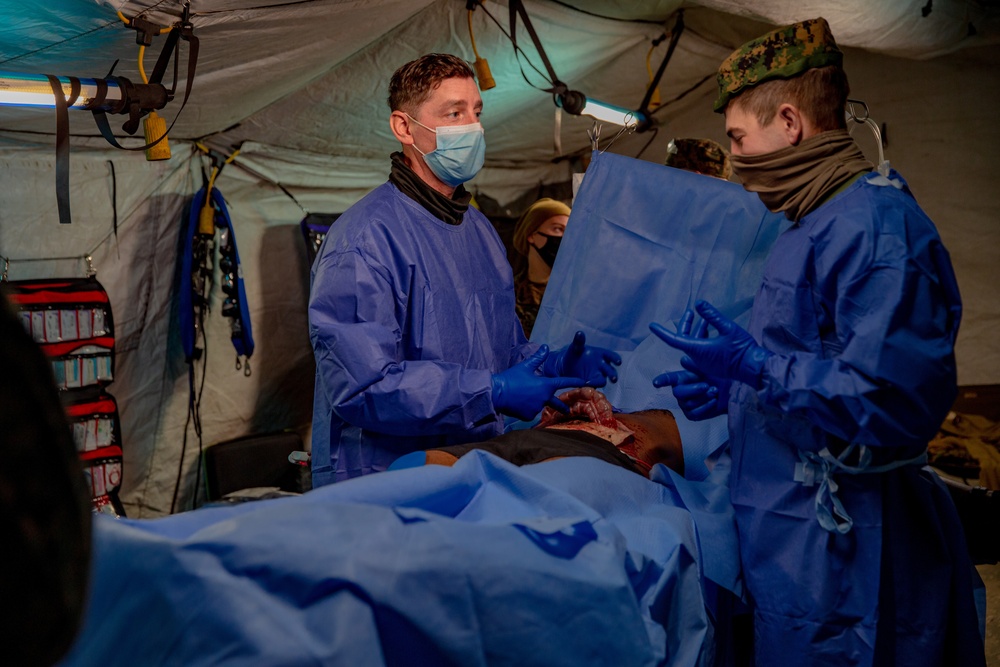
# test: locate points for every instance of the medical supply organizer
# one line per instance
(71, 321)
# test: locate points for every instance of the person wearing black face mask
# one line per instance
(537, 237)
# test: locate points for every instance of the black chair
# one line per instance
(314, 228)
(255, 461)
(979, 512)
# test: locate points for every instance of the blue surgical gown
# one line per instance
(409, 318)
(860, 306)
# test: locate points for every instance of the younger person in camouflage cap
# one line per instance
(781, 54)
(852, 551)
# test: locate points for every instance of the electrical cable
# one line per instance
(114, 206)
(654, 100)
(683, 94)
(142, 47)
(193, 416)
(472, 36)
(269, 181)
(142, 70)
(643, 150)
(483, 74)
(184, 442)
(518, 51)
(207, 222)
(198, 429)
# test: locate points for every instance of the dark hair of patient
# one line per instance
(45, 514)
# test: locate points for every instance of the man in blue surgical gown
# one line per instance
(852, 551)
(411, 308)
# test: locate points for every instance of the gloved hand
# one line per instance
(699, 396)
(520, 392)
(593, 364)
(733, 354)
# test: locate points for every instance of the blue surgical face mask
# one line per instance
(460, 152)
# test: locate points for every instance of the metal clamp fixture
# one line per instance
(857, 111)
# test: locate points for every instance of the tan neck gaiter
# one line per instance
(798, 179)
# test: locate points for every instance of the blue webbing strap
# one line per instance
(243, 342)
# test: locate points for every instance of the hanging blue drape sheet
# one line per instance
(643, 243)
(568, 562)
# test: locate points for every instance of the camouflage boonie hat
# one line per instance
(701, 155)
(780, 54)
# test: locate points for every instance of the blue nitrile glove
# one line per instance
(699, 397)
(519, 391)
(596, 365)
(733, 354)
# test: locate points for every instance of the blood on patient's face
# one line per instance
(656, 438)
(584, 402)
(648, 436)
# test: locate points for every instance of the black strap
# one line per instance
(102, 124)
(99, 97)
(290, 196)
(675, 35)
(74, 91)
(62, 146)
(161, 63)
(101, 118)
(114, 200)
(517, 7)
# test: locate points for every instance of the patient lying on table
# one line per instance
(636, 441)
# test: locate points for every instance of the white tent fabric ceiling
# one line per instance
(300, 87)
(311, 75)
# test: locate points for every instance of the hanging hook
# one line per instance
(626, 129)
(857, 111)
(91, 271)
(594, 133)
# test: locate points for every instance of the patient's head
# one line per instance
(702, 156)
(651, 436)
(656, 437)
(647, 437)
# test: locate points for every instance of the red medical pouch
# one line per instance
(93, 418)
(71, 320)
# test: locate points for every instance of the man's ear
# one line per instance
(400, 126)
(792, 123)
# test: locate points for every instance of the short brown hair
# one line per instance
(412, 83)
(820, 93)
